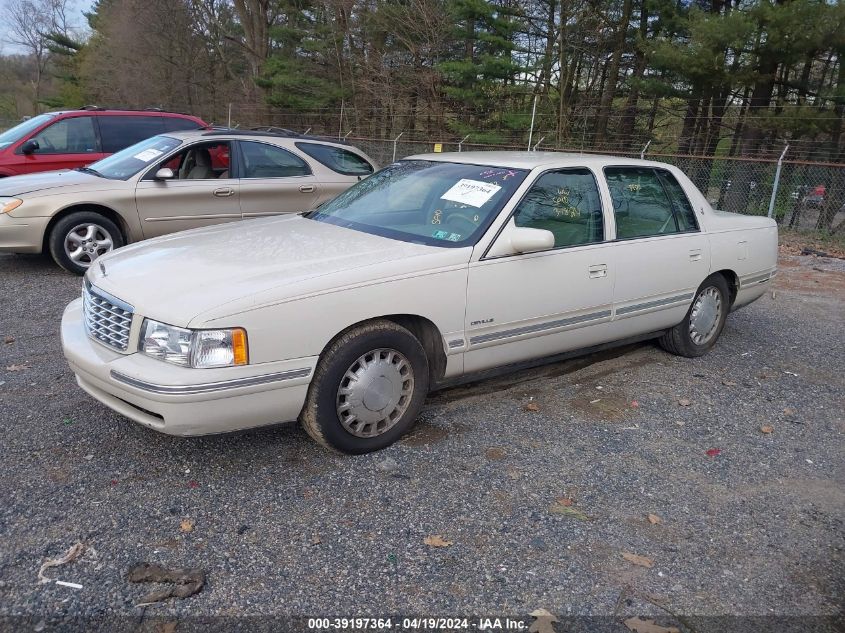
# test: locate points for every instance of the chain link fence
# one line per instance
(806, 195)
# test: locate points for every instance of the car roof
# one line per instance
(89, 111)
(255, 135)
(532, 160)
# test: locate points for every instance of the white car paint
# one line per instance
(295, 284)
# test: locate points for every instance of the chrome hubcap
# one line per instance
(374, 392)
(86, 242)
(705, 315)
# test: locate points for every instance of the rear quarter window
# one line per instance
(337, 159)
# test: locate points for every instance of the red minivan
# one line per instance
(75, 138)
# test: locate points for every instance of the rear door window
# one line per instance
(680, 203)
(119, 132)
(68, 136)
(337, 159)
(262, 160)
(641, 203)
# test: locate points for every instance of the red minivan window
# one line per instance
(66, 140)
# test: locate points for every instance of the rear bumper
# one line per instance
(22, 235)
(181, 401)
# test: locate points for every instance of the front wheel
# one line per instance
(704, 322)
(368, 389)
(78, 239)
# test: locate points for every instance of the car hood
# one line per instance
(35, 183)
(177, 277)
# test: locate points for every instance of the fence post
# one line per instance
(531, 131)
(229, 117)
(645, 147)
(461, 142)
(777, 181)
(340, 123)
(394, 146)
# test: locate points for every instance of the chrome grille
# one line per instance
(107, 319)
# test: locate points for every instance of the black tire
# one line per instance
(68, 224)
(320, 416)
(679, 340)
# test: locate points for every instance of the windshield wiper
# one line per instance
(88, 170)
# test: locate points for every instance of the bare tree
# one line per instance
(30, 22)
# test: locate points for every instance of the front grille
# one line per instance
(107, 319)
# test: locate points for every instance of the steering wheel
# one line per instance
(461, 218)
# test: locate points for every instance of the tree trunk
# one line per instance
(613, 73)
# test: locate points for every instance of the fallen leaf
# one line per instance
(654, 519)
(532, 406)
(513, 473)
(167, 627)
(640, 625)
(712, 452)
(187, 525)
(564, 501)
(185, 582)
(729, 383)
(766, 429)
(73, 552)
(642, 561)
(15, 367)
(193, 484)
(684, 402)
(542, 621)
(494, 453)
(634, 404)
(567, 510)
(8, 340)
(435, 540)
(789, 411)
(316, 540)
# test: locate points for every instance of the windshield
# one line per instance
(14, 134)
(427, 202)
(128, 162)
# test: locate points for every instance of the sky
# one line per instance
(76, 7)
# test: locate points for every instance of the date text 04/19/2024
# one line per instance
(418, 623)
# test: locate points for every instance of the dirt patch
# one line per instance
(810, 275)
(601, 405)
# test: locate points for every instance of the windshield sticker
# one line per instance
(148, 155)
(472, 192)
(495, 173)
(446, 235)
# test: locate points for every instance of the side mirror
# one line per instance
(30, 147)
(525, 240)
(165, 173)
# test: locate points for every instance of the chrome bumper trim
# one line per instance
(210, 387)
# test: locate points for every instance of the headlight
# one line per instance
(193, 348)
(7, 205)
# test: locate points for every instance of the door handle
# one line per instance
(306, 188)
(224, 192)
(598, 271)
(695, 255)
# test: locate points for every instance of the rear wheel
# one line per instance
(704, 322)
(78, 239)
(368, 389)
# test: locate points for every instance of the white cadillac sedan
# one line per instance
(436, 268)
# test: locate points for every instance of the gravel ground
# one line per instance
(538, 505)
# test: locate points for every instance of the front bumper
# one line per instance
(179, 400)
(22, 235)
